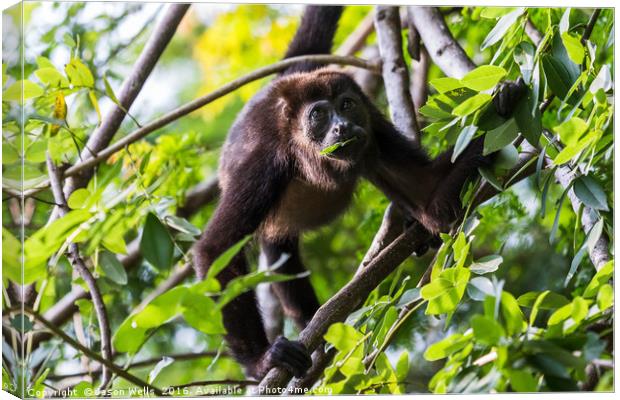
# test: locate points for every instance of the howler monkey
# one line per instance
(276, 182)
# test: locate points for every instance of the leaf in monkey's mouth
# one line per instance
(336, 146)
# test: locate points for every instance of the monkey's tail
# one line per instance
(314, 36)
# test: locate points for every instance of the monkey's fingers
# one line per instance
(291, 355)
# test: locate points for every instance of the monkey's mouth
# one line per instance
(336, 148)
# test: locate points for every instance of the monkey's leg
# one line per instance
(297, 296)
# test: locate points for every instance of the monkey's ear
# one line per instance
(284, 108)
(285, 95)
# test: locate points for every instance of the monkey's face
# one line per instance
(338, 127)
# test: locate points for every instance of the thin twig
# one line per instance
(141, 364)
(590, 26)
(78, 264)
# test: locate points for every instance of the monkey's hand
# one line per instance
(433, 242)
(507, 95)
(289, 354)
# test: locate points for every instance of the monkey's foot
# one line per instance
(289, 354)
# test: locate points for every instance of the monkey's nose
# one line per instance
(342, 129)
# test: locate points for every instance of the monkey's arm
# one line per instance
(429, 190)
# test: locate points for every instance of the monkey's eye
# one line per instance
(316, 114)
(348, 104)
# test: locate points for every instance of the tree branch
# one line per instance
(78, 265)
(193, 106)
(394, 71)
(441, 46)
(347, 299)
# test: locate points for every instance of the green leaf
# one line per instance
(68, 40)
(443, 85)
(11, 256)
(507, 157)
(344, 337)
(570, 131)
(224, 259)
(500, 137)
(483, 78)
(78, 199)
(431, 111)
(574, 48)
(93, 99)
(26, 88)
(181, 225)
(512, 314)
(156, 245)
(110, 92)
(247, 282)
(590, 193)
(472, 104)
(132, 333)
(557, 75)
(79, 74)
(601, 277)
(570, 151)
(463, 140)
(447, 346)
(528, 122)
(486, 264)
(445, 292)
(550, 301)
(500, 29)
(112, 268)
(579, 309)
(560, 314)
(605, 297)
(479, 288)
(524, 55)
(201, 313)
(523, 381)
(336, 146)
(490, 177)
(486, 330)
(50, 76)
(603, 80)
(556, 219)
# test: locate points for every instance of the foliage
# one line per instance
(514, 301)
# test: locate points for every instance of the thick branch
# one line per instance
(339, 306)
(599, 253)
(441, 46)
(394, 70)
(78, 264)
(153, 49)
